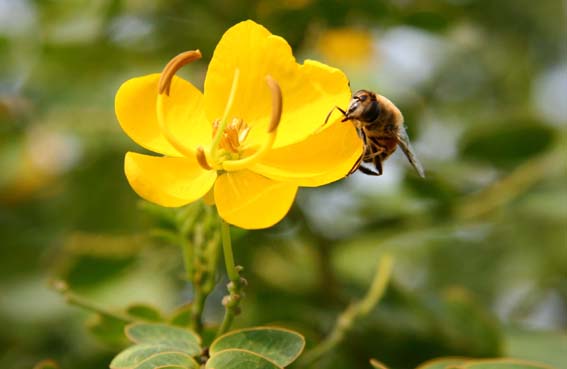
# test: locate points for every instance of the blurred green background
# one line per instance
(480, 244)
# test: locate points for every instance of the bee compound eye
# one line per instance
(371, 112)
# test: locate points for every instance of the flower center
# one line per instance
(227, 151)
(233, 136)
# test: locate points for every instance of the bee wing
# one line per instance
(405, 145)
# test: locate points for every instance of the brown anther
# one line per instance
(202, 158)
(173, 66)
(231, 134)
(276, 103)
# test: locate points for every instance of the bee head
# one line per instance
(363, 106)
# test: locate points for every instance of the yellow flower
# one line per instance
(252, 137)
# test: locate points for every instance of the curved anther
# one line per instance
(163, 91)
(276, 103)
(277, 106)
(173, 66)
(202, 158)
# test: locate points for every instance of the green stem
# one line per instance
(356, 310)
(227, 251)
(197, 307)
(74, 299)
(187, 257)
(198, 302)
(231, 302)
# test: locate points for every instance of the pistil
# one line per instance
(226, 148)
(277, 105)
(214, 149)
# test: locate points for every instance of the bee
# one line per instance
(380, 124)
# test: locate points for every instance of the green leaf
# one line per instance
(545, 347)
(507, 143)
(168, 359)
(144, 312)
(503, 364)
(442, 363)
(181, 316)
(281, 346)
(134, 355)
(108, 330)
(175, 338)
(239, 359)
(463, 363)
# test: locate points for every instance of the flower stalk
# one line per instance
(199, 242)
(74, 299)
(235, 285)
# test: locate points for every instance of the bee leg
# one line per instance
(378, 164)
(355, 166)
(370, 172)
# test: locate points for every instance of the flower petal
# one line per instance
(135, 107)
(251, 201)
(322, 158)
(167, 181)
(309, 91)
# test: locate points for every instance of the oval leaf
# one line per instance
(181, 316)
(239, 359)
(279, 345)
(108, 330)
(134, 355)
(503, 364)
(442, 363)
(168, 359)
(144, 312)
(507, 143)
(176, 338)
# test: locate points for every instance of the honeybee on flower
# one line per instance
(249, 141)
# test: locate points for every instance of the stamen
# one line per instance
(277, 105)
(173, 66)
(224, 121)
(202, 158)
(178, 145)
(163, 92)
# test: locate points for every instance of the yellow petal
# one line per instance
(307, 104)
(309, 91)
(167, 181)
(135, 107)
(251, 201)
(322, 158)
